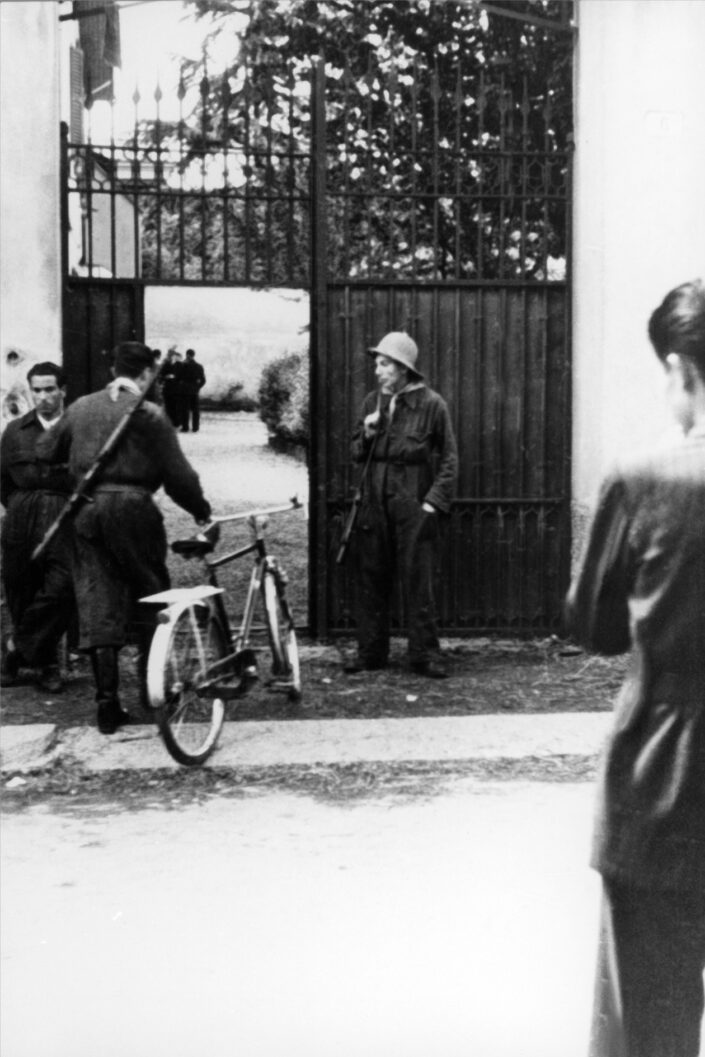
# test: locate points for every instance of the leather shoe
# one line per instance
(431, 669)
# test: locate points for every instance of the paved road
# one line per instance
(450, 923)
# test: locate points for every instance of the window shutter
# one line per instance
(77, 95)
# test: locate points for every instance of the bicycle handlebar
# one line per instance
(293, 504)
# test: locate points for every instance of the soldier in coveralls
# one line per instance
(119, 539)
(409, 487)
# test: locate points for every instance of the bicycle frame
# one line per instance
(197, 662)
(240, 653)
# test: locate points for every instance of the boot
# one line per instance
(104, 660)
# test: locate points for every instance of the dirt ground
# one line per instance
(484, 677)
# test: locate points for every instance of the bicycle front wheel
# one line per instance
(182, 682)
(282, 636)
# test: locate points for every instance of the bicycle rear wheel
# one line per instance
(189, 712)
(282, 636)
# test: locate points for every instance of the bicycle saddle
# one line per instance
(200, 545)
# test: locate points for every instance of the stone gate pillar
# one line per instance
(639, 214)
(30, 274)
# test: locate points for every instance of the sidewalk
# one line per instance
(309, 742)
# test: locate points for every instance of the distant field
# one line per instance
(239, 471)
(234, 332)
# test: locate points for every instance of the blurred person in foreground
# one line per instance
(39, 594)
(641, 584)
(119, 542)
(405, 437)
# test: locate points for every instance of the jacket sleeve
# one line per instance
(181, 482)
(442, 490)
(597, 607)
(7, 485)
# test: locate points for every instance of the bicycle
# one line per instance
(197, 662)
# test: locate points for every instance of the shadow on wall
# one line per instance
(235, 331)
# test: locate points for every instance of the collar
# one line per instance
(47, 423)
(125, 384)
(408, 389)
(411, 387)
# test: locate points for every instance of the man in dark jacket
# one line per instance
(642, 583)
(171, 387)
(191, 379)
(119, 539)
(39, 594)
(406, 428)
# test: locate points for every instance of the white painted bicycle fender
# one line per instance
(158, 647)
(184, 594)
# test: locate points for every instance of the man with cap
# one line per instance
(406, 433)
(119, 548)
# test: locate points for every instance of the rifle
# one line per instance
(81, 493)
(356, 503)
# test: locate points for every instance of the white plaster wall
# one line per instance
(639, 214)
(30, 301)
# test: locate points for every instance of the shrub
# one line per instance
(283, 399)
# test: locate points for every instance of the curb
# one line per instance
(249, 744)
(28, 748)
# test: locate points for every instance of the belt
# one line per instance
(118, 487)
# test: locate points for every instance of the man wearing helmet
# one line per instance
(406, 433)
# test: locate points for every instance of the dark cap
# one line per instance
(131, 357)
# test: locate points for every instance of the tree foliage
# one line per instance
(447, 143)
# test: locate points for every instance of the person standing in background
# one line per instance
(39, 594)
(641, 585)
(171, 388)
(192, 378)
(406, 434)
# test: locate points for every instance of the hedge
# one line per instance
(283, 399)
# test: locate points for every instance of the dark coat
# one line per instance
(119, 538)
(21, 469)
(191, 377)
(642, 582)
(415, 455)
(39, 594)
(148, 455)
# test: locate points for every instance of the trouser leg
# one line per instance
(417, 536)
(649, 987)
(106, 675)
(196, 414)
(50, 612)
(19, 579)
(373, 588)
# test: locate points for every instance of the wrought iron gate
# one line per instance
(452, 221)
(426, 196)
